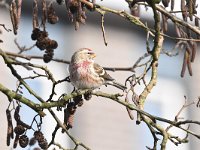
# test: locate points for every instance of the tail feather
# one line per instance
(117, 85)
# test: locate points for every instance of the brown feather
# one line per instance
(102, 73)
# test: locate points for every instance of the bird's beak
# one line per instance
(93, 55)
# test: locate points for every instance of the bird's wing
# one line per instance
(102, 73)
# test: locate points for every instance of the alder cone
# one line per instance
(43, 144)
(19, 129)
(23, 141)
(165, 2)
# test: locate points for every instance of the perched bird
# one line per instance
(85, 74)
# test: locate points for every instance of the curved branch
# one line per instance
(174, 18)
(13, 95)
(177, 20)
(158, 42)
(136, 20)
(8, 61)
(30, 57)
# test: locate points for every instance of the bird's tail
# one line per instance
(117, 85)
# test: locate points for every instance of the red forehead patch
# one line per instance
(88, 49)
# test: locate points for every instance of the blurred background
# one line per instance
(100, 123)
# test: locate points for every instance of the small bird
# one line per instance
(86, 74)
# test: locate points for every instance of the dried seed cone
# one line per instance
(53, 19)
(43, 144)
(69, 114)
(76, 12)
(8, 140)
(19, 129)
(51, 15)
(16, 114)
(41, 44)
(16, 141)
(52, 44)
(70, 121)
(197, 22)
(42, 35)
(80, 103)
(10, 127)
(78, 100)
(172, 5)
(47, 57)
(32, 141)
(59, 1)
(9, 134)
(14, 16)
(87, 96)
(184, 10)
(23, 141)
(71, 107)
(39, 136)
(35, 34)
(166, 2)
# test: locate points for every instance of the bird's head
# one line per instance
(83, 54)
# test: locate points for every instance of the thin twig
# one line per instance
(3, 25)
(23, 48)
(103, 29)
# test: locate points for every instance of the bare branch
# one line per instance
(3, 25)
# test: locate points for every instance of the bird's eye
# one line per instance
(90, 53)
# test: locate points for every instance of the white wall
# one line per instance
(101, 123)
